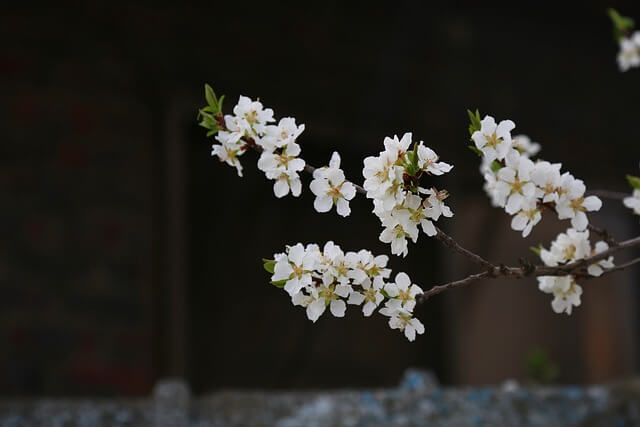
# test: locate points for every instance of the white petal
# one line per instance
(281, 188)
(592, 203)
(315, 309)
(338, 307)
(343, 207)
(323, 204)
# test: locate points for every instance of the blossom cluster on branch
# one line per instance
(317, 279)
(392, 180)
(524, 188)
(568, 247)
(329, 278)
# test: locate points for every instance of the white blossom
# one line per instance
(572, 204)
(565, 290)
(428, 161)
(493, 140)
(514, 184)
(633, 202)
(598, 268)
(403, 290)
(570, 246)
(330, 188)
(528, 216)
(629, 54)
(254, 114)
(402, 318)
(525, 146)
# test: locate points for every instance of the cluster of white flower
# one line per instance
(523, 188)
(629, 54)
(392, 181)
(279, 159)
(317, 279)
(633, 201)
(569, 247)
(331, 188)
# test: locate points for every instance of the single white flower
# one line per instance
(403, 290)
(514, 184)
(629, 54)
(294, 267)
(570, 246)
(397, 146)
(633, 202)
(546, 177)
(330, 188)
(493, 140)
(598, 268)
(228, 155)
(572, 204)
(255, 115)
(370, 295)
(565, 290)
(525, 146)
(401, 318)
(428, 161)
(528, 216)
(434, 204)
(397, 236)
(285, 133)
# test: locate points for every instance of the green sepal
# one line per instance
(411, 165)
(476, 150)
(495, 166)
(279, 283)
(474, 119)
(385, 294)
(634, 181)
(269, 265)
(537, 249)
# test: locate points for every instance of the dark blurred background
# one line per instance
(128, 254)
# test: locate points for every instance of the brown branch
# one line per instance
(606, 194)
(602, 233)
(540, 270)
(450, 243)
(463, 282)
(614, 269)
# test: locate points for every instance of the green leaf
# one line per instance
(210, 96)
(269, 265)
(537, 249)
(634, 181)
(279, 283)
(622, 25)
(495, 166)
(220, 100)
(474, 119)
(476, 150)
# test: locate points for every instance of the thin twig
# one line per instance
(606, 194)
(602, 233)
(540, 270)
(616, 268)
(450, 243)
(463, 282)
